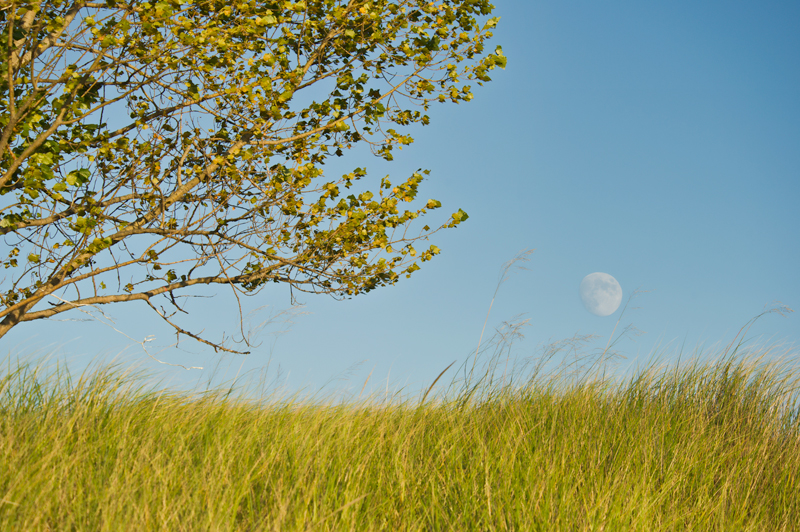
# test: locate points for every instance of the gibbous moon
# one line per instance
(601, 294)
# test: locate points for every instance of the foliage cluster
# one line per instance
(150, 147)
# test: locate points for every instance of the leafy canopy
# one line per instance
(148, 147)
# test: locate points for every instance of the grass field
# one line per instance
(699, 446)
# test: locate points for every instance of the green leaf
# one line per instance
(460, 216)
(78, 177)
(286, 95)
(98, 244)
(163, 9)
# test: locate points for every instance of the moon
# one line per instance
(601, 294)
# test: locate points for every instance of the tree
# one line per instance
(151, 147)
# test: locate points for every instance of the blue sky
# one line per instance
(657, 143)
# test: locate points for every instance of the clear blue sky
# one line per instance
(656, 142)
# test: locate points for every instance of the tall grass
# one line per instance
(710, 444)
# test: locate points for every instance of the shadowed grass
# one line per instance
(701, 446)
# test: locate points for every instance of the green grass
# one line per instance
(700, 446)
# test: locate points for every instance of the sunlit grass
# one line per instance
(701, 446)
